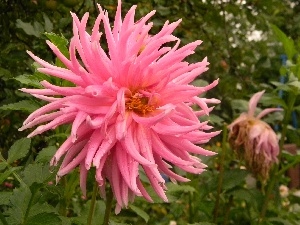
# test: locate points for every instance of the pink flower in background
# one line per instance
(254, 140)
(130, 106)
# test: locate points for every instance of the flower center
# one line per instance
(139, 104)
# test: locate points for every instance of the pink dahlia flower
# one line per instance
(130, 106)
(254, 140)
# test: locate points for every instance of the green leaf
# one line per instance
(288, 44)
(271, 100)
(4, 197)
(48, 23)
(29, 80)
(28, 28)
(19, 202)
(18, 150)
(239, 105)
(39, 208)
(60, 42)
(46, 154)
(98, 215)
(36, 173)
(233, 178)
(280, 221)
(24, 105)
(44, 218)
(8, 172)
(180, 188)
(140, 212)
(3, 165)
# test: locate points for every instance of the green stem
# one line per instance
(275, 172)
(221, 173)
(284, 169)
(14, 173)
(226, 217)
(191, 211)
(268, 194)
(93, 204)
(109, 198)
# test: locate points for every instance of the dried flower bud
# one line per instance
(254, 140)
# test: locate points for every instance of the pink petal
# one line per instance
(253, 102)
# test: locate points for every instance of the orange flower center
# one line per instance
(139, 104)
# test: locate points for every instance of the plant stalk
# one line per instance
(109, 200)
(93, 204)
(221, 173)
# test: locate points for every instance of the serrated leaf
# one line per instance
(46, 154)
(233, 178)
(18, 150)
(140, 212)
(41, 208)
(60, 42)
(4, 197)
(19, 201)
(44, 218)
(24, 105)
(36, 173)
(29, 80)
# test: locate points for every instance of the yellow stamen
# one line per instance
(139, 104)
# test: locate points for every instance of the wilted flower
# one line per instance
(130, 106)
(254, 140)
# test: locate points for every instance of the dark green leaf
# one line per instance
(29, 80)
(19, 202)
(280, 221)
(140, 212)
(4, 197)
(24, 105)
(180, 188)
(3, 165)
(36, 173)
(44, 218)
(233, 178)
(18, 150)
(46, 154)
